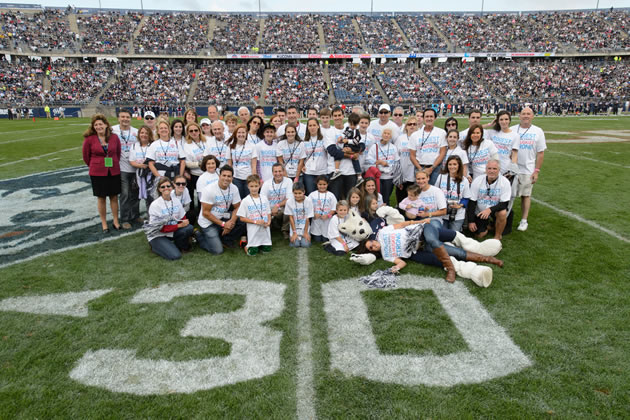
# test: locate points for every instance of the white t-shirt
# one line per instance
(138, 153)
(253, 139)
(301, 130)
(128, 138)
(323, 203)
(160, 208)
(277, 193)
(256, 209)
(428, 144)
(388, 153)
(393, 243)
(218, 149)
(408, 170)
(193, 152)
(333, 233)
(532, 141)
(291, 154)
(204, 180)
(376, 130)
(432, 199)
(490, 194)
(164, 152)
(370, 141)
(266, 159)
(300, 212)
(505, 143)
(184, 198)
(220, 199)
(242, 156)
(478, 157)
(449, 189)
(457, 151)
(345, 165)
(316, 157)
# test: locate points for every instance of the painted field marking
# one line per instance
(27, 129)
(305, 391)
(581, 219)
(39, 138)
(68, 304)
(588, 158)
(40, 156)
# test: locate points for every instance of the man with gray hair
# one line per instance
(489, 199)
(243, 114)
(216, 144)
(531, 152)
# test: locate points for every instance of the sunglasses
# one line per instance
(180, 184)
(383, 112)
(164, 186)
(412, 124)
(149, 118)
(193, 131)
(398, 115)
(451, 123)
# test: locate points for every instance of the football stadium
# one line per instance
(380, 214)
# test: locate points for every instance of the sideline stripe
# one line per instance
(40, 156)
(581, 219)
(68, 248)
(305, 391)
(588, 158)
(28, 129)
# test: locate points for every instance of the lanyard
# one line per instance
(314, 148)
(277, 192)
(424, 140)
(448, 186)
(260, 211)
(171, 210)
(386, 152)
(200, 145)
(168, 144)
(518, 131)
(323, 202)
(292, 151)
(128, 135)
(489, 184)
(216, 142)
(238, 158)
(225, 197)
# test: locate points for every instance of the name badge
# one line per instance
(109, 162)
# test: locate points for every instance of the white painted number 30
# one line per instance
(255, 349)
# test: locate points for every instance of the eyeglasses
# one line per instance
(149, 118)
(164, 186)
(180, 184)
(398, 115)
(193, 131)
(383, 112)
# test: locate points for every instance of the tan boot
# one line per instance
(446, 262)
(474, 257)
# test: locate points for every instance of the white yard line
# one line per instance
(305, 390)
(28, 130)
(40, 156)
(588, 158)
(55, 171)
(581, 219)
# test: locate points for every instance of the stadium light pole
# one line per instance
(482, 7)
(259, 9)
(141, 6)
(372, 8)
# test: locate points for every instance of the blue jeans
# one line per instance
(435, 238)
(434, 175)
(309, 183)
(211, 239)
(129, 202)
(170, 248)
(301, 242)
(455, 225)
(241, 184)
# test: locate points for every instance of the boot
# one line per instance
(446, 262)
(474, 257)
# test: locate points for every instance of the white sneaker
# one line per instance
(335, 175)
(522, 226)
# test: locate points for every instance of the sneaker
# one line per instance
(126, 225)
(251, 251)
(265, 248)
(335, 175)
(522, 226)
(359, 181)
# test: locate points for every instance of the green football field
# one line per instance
(93, 328)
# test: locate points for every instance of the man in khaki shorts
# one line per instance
(531, 153)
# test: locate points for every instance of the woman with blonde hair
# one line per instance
(193, 149)
(163, 155)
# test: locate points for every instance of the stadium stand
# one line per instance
(76, 83)
(104, 33)
(21, 82)
(381, 34)
(228, 83)
(177, 33)
(402, 84)
(352, 84)
(421, 35)
(48, 30)
(235, 34)
(290, 34)
(340, 34)
(297, 84)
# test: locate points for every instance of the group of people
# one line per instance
(237, 178)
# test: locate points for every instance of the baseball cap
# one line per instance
(385, 107)
(205, 121)
(149, 114)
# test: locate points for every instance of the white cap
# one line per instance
(149, 114)
(205, 121)
(386, 107)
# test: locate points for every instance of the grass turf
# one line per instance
(563, 298)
